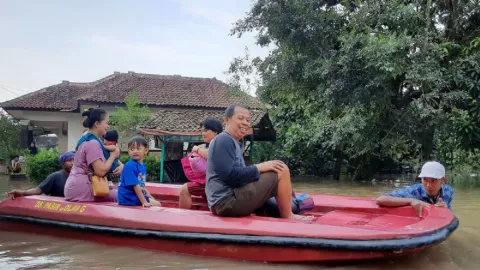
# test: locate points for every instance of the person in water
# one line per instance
(91, 156)
(234, 189)
(210, 129)
(54, 184)
(432, 191)
(15, 166)
(131, 190)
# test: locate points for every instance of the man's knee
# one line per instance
(270, 177)
(285, 171)
(184, 190)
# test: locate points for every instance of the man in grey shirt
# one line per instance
(234, 189)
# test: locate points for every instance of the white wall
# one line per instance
(74, 123)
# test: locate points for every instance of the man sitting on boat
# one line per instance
(194, 165)
(432, 190)
(234, 189)
(54, 184)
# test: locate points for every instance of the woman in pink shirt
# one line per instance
(91, 155)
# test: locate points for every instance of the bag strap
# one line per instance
(89, 172)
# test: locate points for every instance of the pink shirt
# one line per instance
(78, 187)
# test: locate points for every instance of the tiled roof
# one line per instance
(187, 121)
(157, 90)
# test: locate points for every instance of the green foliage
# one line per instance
(126, 120)
(38, 167)
(153, 168)
(124, 158)
(9, 137)
(367, 84)
(152, 164)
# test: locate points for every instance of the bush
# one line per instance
(124, 158)
(38, 167)
(152, 164)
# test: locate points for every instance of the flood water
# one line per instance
(460, 251)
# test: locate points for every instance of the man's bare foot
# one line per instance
(304, 218)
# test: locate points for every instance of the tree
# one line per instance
(127, 119)
(9, 137)
(364, 82)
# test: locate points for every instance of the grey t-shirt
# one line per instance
(54, 184)
(226, 169)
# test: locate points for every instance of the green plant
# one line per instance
(124, 158)
(38, 167)
(125, 120)
(9, 137)
(153, 168)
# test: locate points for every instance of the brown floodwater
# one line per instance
(460, 251)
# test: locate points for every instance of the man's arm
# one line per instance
(403, 197)
(19, 193)
(400, 197)
(389, 201)
(44, 187)
(47, 184)
(222, 154)
(449, 199)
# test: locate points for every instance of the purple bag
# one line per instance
(198, 164)
(305, 202)
(195, 167)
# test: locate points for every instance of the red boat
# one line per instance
(345, 228)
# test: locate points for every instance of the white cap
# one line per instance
(432, 169)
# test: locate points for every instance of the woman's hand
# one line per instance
(115, 153)
(118, 170)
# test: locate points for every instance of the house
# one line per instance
(176, 130)
(57, 108)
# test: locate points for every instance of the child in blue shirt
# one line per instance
(131, 190)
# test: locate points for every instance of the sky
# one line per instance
(45, 42)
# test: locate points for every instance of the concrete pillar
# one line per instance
(75, 131)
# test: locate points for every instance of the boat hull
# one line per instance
(200, 246)
(345, 228)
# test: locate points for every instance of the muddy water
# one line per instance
(460, 251)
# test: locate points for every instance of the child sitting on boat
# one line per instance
(432, 191)
(131, 190)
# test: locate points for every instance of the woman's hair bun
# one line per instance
(86, 112)
(91, 116)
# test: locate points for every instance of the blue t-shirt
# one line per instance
(418, 192)
(134, 173)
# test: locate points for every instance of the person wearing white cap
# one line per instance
(432, 191)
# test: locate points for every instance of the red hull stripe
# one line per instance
(360, 245)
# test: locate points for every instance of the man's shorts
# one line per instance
(196, 189)
(248, 198)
